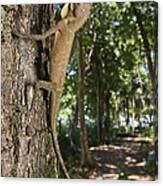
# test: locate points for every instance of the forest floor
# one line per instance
(123, 160)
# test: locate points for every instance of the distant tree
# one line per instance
(85, 153)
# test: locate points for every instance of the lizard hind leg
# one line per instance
(51, 86)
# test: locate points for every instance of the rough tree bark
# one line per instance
(26, 145)
(28, 124)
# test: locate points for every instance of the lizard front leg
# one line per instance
(37, 37)
(49, 86)
(55, 29)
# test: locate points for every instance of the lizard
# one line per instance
(64, 32)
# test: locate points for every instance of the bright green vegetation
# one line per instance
(119, 45)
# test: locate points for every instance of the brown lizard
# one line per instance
(64, 36)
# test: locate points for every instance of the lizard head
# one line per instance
(82, 9)
(81, 12)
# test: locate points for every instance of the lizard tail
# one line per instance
(54, 110)
(57, 148)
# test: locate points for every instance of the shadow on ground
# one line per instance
(125, 160)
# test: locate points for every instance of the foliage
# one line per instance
(118, 92)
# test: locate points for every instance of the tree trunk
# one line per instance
(107, 116)
(98, 99)
(152, 64)
(27, 147)
(127, 111)
(146, 45)
(73, 126)
(133, 115)
(101, 109)
(152, 67)
(85, 154)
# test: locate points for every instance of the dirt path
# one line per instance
(125, 160)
